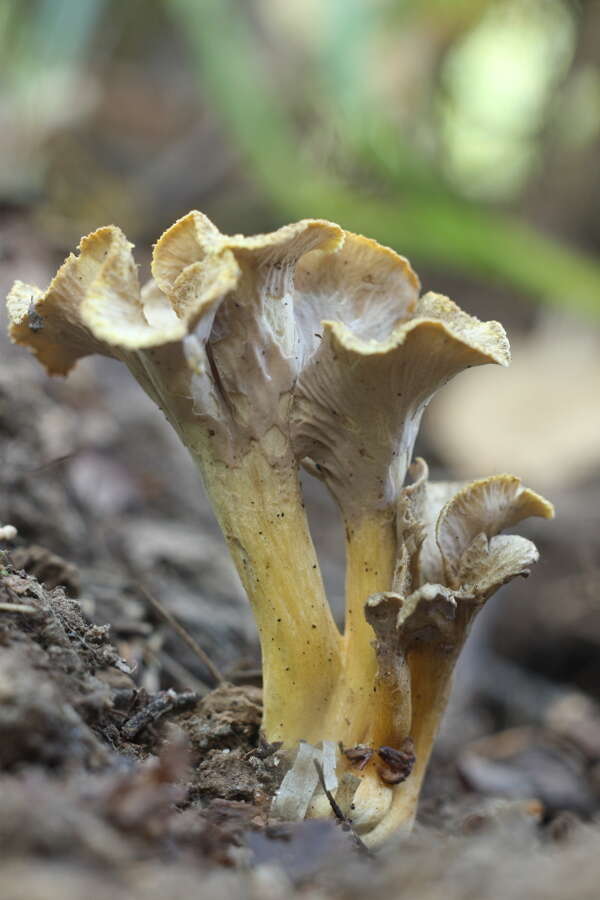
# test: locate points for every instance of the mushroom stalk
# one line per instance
(261, 514)
(431, 681)
(431, 673)
(370, 562)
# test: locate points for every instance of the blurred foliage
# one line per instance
(464, 133)
(492, 107)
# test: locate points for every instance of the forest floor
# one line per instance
(126, 773)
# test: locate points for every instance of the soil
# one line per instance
(126, 772)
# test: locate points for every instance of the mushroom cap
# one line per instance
(311, 340)
(452, 555)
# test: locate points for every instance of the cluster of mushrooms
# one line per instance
(311, 346)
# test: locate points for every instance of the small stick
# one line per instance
(18, 608)
(179, 672)
(345, 822)
(50, 464)
(244, 676)
(164, 702)
(184, 635)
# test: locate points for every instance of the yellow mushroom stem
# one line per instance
(417, 663)
(370, 561)
(431, 669)
(258, 503)
(389, 713)
(261, 513)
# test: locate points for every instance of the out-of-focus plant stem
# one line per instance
(55, 32)
(432, 229)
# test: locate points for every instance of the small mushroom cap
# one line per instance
(485, 507)
(426, 614)
(451, 554)
(488, 563)
(450, 515)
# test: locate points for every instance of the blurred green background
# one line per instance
(464, 133)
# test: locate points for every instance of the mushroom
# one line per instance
(209, 340)
(311, 346)
(454, 559)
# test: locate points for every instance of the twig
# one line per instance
(245, 676)
(181, 674)
(50, 464)
(344, 820)
(184, 635)
(18, 608)
(165, 702)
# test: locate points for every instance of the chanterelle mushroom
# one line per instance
(311, 346)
